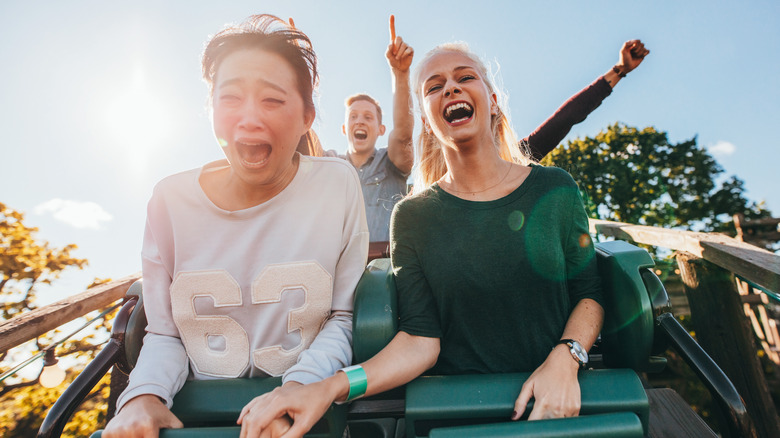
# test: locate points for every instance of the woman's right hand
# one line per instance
(142, 417)
(554, 388)
(304, 404)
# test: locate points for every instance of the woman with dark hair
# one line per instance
(223, 242)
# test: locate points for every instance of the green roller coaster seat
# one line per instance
(375, 314)
(209, 408)
(136, 325)
(628, 332)
(440, 401)
(616, 425)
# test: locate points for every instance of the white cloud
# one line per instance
(75, 213)
(722, 148)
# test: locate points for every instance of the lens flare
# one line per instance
(546, 262)
(516, 220)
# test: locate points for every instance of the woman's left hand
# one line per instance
(553, 386)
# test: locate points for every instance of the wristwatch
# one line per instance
(577, 351)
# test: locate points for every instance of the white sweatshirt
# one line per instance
(263, 291)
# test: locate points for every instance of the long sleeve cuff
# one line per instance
(159, 391)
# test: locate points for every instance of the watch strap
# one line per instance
(571, 343)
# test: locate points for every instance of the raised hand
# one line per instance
(399, 54)
(632, 54)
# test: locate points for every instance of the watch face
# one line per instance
(577, 350)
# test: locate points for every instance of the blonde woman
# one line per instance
(493, 262)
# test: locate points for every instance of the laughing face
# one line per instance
(457, 103)
(362, 126)
(259, 116)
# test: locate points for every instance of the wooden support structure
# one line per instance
(727, 337)
(760, 232)
(764, 323)
(22, 328)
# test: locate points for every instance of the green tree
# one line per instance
(638, 176)
(25, 262)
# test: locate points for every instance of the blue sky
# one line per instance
(100, 100)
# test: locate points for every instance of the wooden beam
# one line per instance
(725, 334)
(748, 261)
(766, 221)
(22, 328)
(670, 415)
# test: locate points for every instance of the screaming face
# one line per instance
(362, 126)
(458, 112)
(253, 155)
(457, 102)
(259, 116)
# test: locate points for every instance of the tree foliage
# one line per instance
(22, 411)
(26, 262)
(638, 176)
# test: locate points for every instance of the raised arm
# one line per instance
(550, 133)
(399, 146)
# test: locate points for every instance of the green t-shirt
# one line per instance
(495, 280)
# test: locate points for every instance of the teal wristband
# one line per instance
(358, 381)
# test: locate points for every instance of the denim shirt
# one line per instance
(383, 186)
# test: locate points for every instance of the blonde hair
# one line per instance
(432, 166)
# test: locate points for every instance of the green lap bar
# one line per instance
(618, 425)
(210, 408)
(447, 401)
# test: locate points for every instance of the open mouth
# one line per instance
(253, 154)
(458, 112)
(361, 134)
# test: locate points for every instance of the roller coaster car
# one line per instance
(638, 326)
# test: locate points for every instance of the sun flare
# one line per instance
(136, 121)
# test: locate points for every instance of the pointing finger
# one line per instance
(392, 29)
